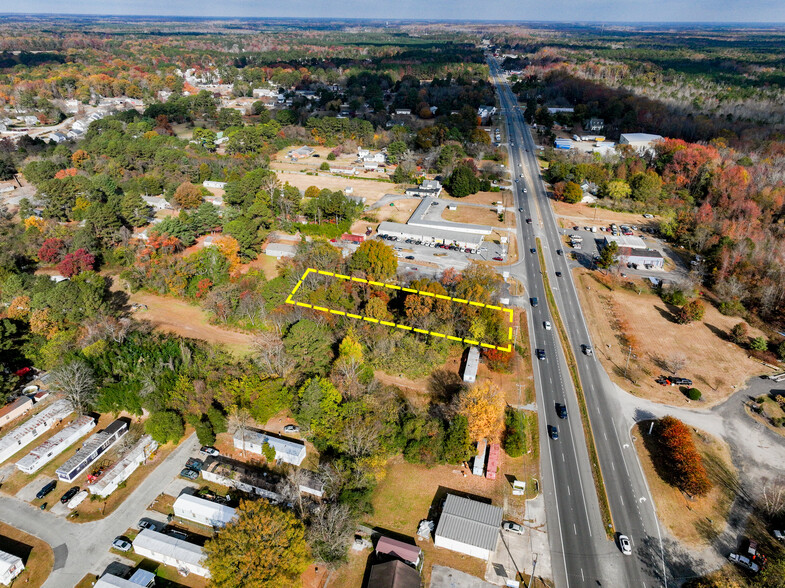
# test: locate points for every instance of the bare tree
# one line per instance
(271, 355)
(75, 380)
(673, 363)
(239, 421)
(331, 531)
(773, 496)
(362, 435)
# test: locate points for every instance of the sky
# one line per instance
(728, 11)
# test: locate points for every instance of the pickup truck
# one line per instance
(744, 562)
(576, 238)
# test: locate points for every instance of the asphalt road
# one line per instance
(581, 553)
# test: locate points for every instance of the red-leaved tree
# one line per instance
(51, 250)
(685, 463)
(74, 263)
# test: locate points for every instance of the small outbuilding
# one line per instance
(411, 554)
(472, 365)
(469, 527)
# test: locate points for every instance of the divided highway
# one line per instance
(580, 552)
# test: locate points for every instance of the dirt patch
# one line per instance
(695, 521)
(267, 264)
(399, 212)
(35, 553)
(617, 315)
(371, 190)
(583, 214)
(504, 196)
(478, 216)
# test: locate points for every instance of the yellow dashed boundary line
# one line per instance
(311, 270)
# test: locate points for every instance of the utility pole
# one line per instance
(534, 567)
(628, 361)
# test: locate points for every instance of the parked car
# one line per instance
(46, 489)
(145, 524)
(625, 545)
(291, 429)
(189, 473)
(540, 354)
(553, 432)
(410, 257)
(512, 527)
(498, 259)
(120, 544)
(682, 381)
(561, 410)
(194, 464)
(209, 451)
(69, 495)
(547, 325)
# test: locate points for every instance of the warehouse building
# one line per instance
(286, 450)
(55, 445)
(641, 142)
(641, 258)
(204, 512)
(625, 241)
(430, 235)
(33, 428)
(469, 527)
(186, 557)
(91, 450)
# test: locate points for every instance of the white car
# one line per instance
(625, 545)
(121, 544)
(547, 325)
(779, 535)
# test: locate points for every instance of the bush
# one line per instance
(694, 394)
(674, 297)
(759, 344)
(331, 156)
(738, 334)
(685, 466)
(732, 308)
(514, 442)
(325, 166)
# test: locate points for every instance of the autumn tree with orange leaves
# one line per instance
(685, 466)
(483, 406)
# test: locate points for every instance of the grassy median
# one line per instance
(596, 470)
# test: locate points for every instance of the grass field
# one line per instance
(35, 553)
(478, 216)
(716, 366)
(695, 521)
(371, 190)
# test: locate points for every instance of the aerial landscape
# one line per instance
(368, 297)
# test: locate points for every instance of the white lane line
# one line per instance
(568, 491)
(574, 528)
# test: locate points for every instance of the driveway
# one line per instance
(84, 548)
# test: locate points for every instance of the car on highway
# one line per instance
(533, 250)
(46, 489)
(625, 545)
(498, 259)
(528, 220)
(524, 191)
(534, 301)
(547, 325)
(145, 524)
(69, 495)
(558, 274)
(121, 544)
(587, 350)
(209, 451)
(512, 527)
(540, 354)
(553, 432)
(559, 252)
(410, 257)
(521, 175)
(189, 473)
(521, 210)
(561, 410)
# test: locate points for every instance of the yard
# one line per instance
(478, 216)
(489, 198)
(618, 317)
(370, 189)
(694, 521)
(35, 553)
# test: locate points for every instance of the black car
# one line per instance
(682, 381)
(534, 301)
(70, 494)
(528, 220)
(533, 250)
(558, 274)
(559, 252)
(561, 411)
(553, 432)
(46, 489)
(410, 257)
(540, 354)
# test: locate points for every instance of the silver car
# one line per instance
(625, 545)
(512, 527)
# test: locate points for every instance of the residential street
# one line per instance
(82, 548)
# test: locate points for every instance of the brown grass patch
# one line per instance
(478, 216)
(371, 190)
(696, 521)
(583, 214)
(35, 553)
(616, 316)
(504, 196)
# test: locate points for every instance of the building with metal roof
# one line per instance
(123, 469)
(410, 554)
(286, 450)
(186, 557)
(10, 567)
(641, 142)
(430, 234)
(393, 574)
(235, 474)
(33, 428)
(56, 444)
(94, 447)
(626, 241)
(139, 578)
(472, 365)
(468, 526)
(204, 512)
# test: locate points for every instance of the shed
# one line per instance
(15, 409)
(410, 554)
(393, 574)
(204, 512)
(10, 567)
(472, 365)
(468, 526)
(179, 554)
(478, 468)
(493, 461)
(139, 578)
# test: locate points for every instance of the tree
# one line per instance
(759, 344)
(319, 409)
(75, 263)
(77, 383)
(310, 345)
(375, 259)
(462, 182)
(165, 426)
(331, 531)
(675, 362)
(738, 334)
(685, 466)
(692, 311)
(239, 422)
(694, 394)
(483, 407)
(7, 168)
(572, 193)
(52, 250)
(514, 442)
(646, 187)
(263, 547)
(618, 189)
(268, 451)
(457, 446)
(229, 117)
(608, 255)
(188, 195)
(325, 166)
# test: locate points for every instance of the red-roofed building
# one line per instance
(410, 554)
(493, 461)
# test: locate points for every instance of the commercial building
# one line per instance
(15, 409)
(472, 365)
(469, 527)
(55, 445)
(641, 258)
(286, 450)
(204, 512)
(33, 428)
(184, 556)
(641, 142)
(123, 469)
(430, 235)
(91, 450)
(235, 474)
(393, 574)
(10, 567)
(625, 241)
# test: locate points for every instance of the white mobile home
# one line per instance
(287, 450)
(30, 430)
(55, 445)
(186, 557)
(123, 469)
(10, 567)
(204, 512)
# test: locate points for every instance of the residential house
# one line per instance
(411, 554)
(393, 574)
(184, 556)
(279, 250)
(123, 469)
(468, 526)
(33, 428)
(57, 138)
(10, 567)
(212, 184)
(56, 444)
(30, 121)
(311, 484)
(478, 466)
(157, 202)
(235, 474)
(403, 111)
(92, 449)
(472, 365)
(204, 512)
(15, 409)
(301, 152)
(286, 450)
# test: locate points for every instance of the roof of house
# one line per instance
(393, 574)
(399, 549)
(16, 404)
(112, 581)
(142, 578)
(204, 508)
(472, 362)
(7, 561)
(166, 545)
(290, 447)
(470, 522)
